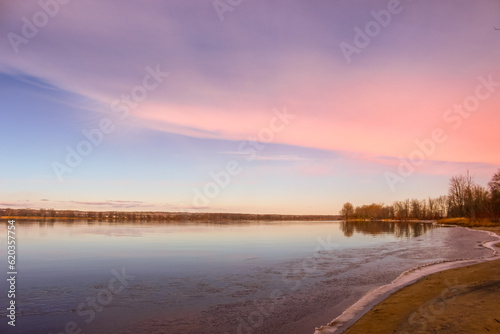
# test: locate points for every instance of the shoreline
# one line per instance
(362, 315)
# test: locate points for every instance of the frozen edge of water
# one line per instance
(408, 277)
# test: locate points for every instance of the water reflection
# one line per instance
(373, 228)
(398, 229)
(98, 222)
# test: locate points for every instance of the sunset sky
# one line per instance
(293, 106)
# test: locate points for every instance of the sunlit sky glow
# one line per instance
(351, 122)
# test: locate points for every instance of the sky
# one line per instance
(290, 107)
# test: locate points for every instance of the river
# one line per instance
(192, 277)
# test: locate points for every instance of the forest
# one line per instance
(465, 198)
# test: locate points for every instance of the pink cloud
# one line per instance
(377, 106)
(377, 120)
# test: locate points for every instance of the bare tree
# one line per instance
(347, 211)
(406, 208)
(494, 186)
(402, 210)
(432, 208)
(424, 214)
(468, 199)
(415, 209)
(442, 206)
(460, 195)
(481, 202)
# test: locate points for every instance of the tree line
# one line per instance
(465, 198)
(153, 215)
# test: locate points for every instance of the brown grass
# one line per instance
(466, 222)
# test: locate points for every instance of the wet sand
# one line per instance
(460, 300)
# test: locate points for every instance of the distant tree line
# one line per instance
(153, 215)
(465, 198)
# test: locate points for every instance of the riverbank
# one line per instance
(460, 300)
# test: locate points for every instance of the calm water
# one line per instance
(258, 277)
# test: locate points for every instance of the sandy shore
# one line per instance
(460, 300)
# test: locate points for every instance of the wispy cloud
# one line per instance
(226, 95)
(113, 203)
(13, 204)
(268, 157)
